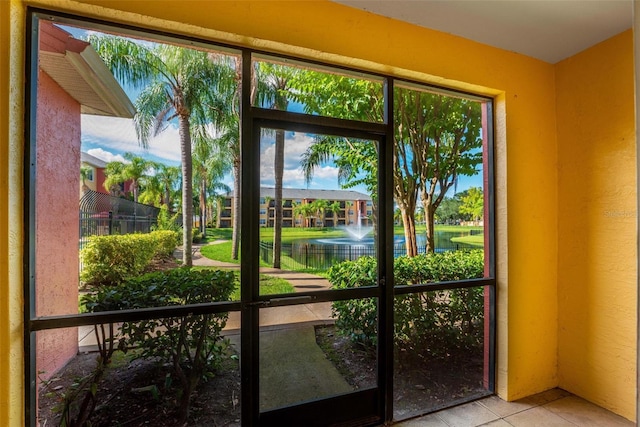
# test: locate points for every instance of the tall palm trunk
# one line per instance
(187, 189)
(235, 236)
(277, 225)
(203, 206)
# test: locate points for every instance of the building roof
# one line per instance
(92, 160)
(304, 193)
(80, 71)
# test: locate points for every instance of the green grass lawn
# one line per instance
(289, 234)
(475, 240)
(219, 252)
(268, 286)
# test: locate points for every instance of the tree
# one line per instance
(437, 139)
(177, 84)
(305, 210)
(168, 176)
(228, 139)
(209, 168)
(449, 209)
(113, 178)
(151, 191)
(335, 208)
(320, 206)
(440, 135)
(84, 175)
(473, 203)
(272, 92)
(134, 171)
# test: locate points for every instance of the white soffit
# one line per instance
(88, 80)
(549, 30)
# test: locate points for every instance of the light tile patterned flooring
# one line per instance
(552, 408)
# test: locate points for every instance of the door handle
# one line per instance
(275, 302)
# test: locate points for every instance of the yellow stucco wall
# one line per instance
(597, 224)
(527, 163)
(11, 102)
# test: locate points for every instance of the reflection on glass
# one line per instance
(316, 203)
(440, 346)
(147, 372)
(305, 355)
(304, 88)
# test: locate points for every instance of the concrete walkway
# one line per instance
(293, 369)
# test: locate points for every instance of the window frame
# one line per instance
(33, 323)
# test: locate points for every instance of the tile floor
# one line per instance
(552, 408)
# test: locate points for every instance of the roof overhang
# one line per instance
(80, 71)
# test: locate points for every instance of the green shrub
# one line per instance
(435, 321)
(109, 260)
(191, 344)
(355, 318)
(166, 242)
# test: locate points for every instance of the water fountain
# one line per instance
(360, 231)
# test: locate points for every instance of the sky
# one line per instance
(108, 138)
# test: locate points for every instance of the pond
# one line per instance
(323, 253)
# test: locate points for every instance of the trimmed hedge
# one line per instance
(109, 260)
(435, 321)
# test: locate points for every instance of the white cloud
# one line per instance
(120, 135)
(296, 144)
(107, 156)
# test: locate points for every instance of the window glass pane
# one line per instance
(304, 88)
(317, 194)
(110, 110)
(441, 347)
(322, 359)
(140, 385)
(440, 176)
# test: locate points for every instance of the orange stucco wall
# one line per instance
(597, 225)
(57, 233)
(537, 174)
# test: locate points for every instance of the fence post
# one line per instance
(110, 223)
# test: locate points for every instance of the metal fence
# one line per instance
(102, 214)
(323, 256)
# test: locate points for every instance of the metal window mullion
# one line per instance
(29, 212)
(385, 201)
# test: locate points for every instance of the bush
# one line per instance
(191, 343)
(436, 321)
(109, 260)
(166, 242)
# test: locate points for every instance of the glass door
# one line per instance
(314, 289)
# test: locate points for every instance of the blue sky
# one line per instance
(108, 138)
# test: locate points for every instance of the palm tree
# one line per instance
(113, 178)
(168, 177)
(134, 171)
(209, 168)
(320, 206)
(228, 140)
(84, 175)
(335, 208)
(177, 83)
(151, 193)
(272, 92)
